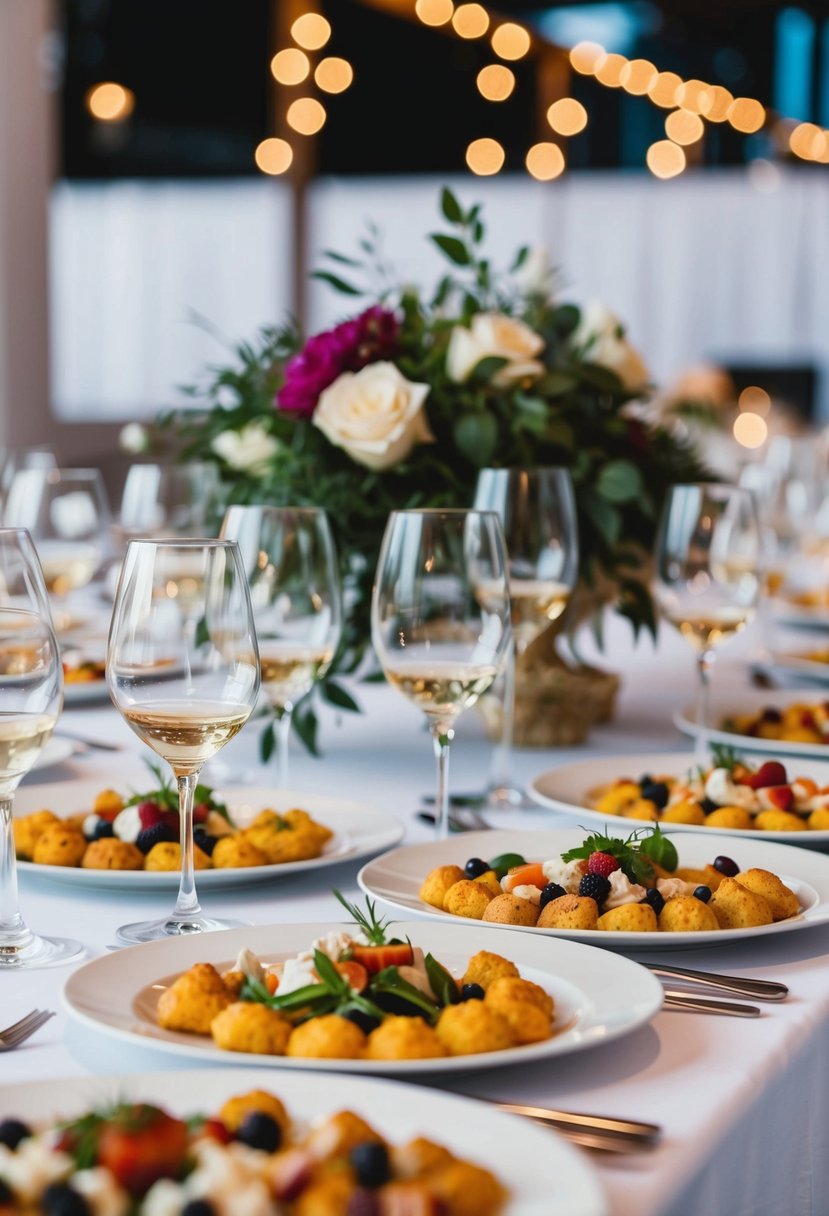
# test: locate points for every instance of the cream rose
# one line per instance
(601, 335)
(375, 415)
(492, 334)
(248, 450)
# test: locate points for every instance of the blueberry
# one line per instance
(596, 886)
(103, 830)
(205, 841)
(259, 1130)
(12, 1131)
(708, 805)
(371, 1162)
(553, 890)
(726, 866)
(703, 893)
(645, 779)
(472, 992)
(152, 836)
(655, 900)
(59, 1199)
(656, 792)
(363, 1202)
(475, 867)
(198, 1207)
(365, 1021)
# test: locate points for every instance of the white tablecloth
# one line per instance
(744, 1104)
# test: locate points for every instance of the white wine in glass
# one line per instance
(441, 639)
(31, 697)
(709, 565)
(185, 716)
(291, 564)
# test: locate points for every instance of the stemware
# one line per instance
(186, 716)
(537, 509)
(440, 618)
(14, 459)
(289, 557)
(708, 574)
(31, 696)
(169, 500)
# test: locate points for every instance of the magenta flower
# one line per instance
(346, 348)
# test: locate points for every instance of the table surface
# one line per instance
(735, 1097)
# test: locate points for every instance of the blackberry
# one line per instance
(553, 890)
(472, 992)
(59, 1199)
(205, 841)
(154, 835)
(12, 1131)
(655, 900)
(198, 1207)
(708, 805)
(703, 893)
(366, 1021)
(596, 886)
(259, 1130)
(475, 867)
(103, 830)
(656, 792)
(371, 1162)
(726, 866)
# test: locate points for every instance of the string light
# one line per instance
(510, 41)
(495, 82)
(807, 141)
(567, 116)
(750, 430)
(755, 400)
(746, 115)
(333, 75)
(684, 127)
(110, 102)
(470, 21)
(717, 104)
(311, 31)
(290, 66)
(485, 157)
(663, 89)
(273, 156)
(638, 76)
(545, 161)
(585, 57)
(609, 70)
(306, 115)
(694, 95)
(435, 12)
(665, 159)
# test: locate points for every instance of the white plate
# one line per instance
(798, 616)
(783, 664)
(544, 1175)
(597, 997)
(748, 702)
(54, 751)
(88, 693)
(359, 831)
(396, 878)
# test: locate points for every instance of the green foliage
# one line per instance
(634, 854)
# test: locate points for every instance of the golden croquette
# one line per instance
(467, 898)
(234, 852)
(248, 1026)
(730, 817)
(466, 1189)
(735, 907)
(192, 1001)
(780, 898)
(777, 821)
(59, 845)
(108, 801)
(570, 912)
(399, 1038)
(473, 1027)
(340, 1134)
(110, 853)
(629, 918)
(419, 1156)
(437, 883)
(685, 914)
(326, 1196)
(327, 1038)
(235, 1110)
(511, 910)
(166, 856)
(513, 988)
(485, 967)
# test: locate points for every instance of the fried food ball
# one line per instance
(267, 818)
(735, 907)
(818, 821)
(247, 1026)
(467, 898)
(730, 817)
(328, 1196)
(236, 1109)
(527, 1021)
(685, 914)
(489, 880)
(107, 802)
(484, 968)
(438, 882)
(707, 877)
(418, 1157)
(473, 1027)
(629, 918)
(616, 799)
(399, 1038)
(327, 1038)
(299, 819)
(339, 1134)
(467, 1189)
(110, 853)
(684, 812)
(285, 844)
(234, 982)
(193, 1000)
(570, 912)
(166, 856)
(779, 821)
(642, 808)
(513, 988)
(28, 830)
(233, 852)
(510, 910)
(780, 898)
(59, 845)
(217, 825)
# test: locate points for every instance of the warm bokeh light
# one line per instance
(638, 76)
(274, 156)
(306, 115)
(311, 31)
(110, 102)
(750, 430)
(290, 66)
(694, 95)
(683, 127)
(665, 159)
(545, 161)
(435, 12)
(609, 71)
(470, 21)
(664, 88)
(567, 116)
(333, 75)
(717, 103)
(585, 57)
(485, 156)
(746, 115)
(755, 400)
(495, 82)
(807, 141)
(510, 41)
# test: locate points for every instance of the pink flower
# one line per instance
(348, 347)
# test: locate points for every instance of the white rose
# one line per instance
(248, 450)
(492, 334)
(133, 438)
(375, 415)
(601, 335)
(534, 277)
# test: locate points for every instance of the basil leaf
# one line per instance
(443, 985)
(329, 974)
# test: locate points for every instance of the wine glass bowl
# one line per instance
(169, 500)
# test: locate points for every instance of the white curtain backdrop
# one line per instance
(730, 267)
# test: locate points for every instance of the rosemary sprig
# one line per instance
(371, 925)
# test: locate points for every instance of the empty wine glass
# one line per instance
(14, 459)
(537, 510)
(169, 500)
(289, 557)
(708, 575)
(440, 618)
(31, 696)
(187, 716)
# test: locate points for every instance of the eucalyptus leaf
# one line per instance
(476, 436)
(333, 280)
(336, 695)
(619, 481)
(606, 518)
(450, 206)
(454, 249)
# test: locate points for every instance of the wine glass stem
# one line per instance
(282, 728)
(500, 777)
(187, 905)
(11, 922)
(705, 661)
(442, 736)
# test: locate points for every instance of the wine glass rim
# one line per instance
(269, 508)
(710, 485)
(182, 542)
(439, 511)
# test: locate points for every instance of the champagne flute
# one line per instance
(440, 618)
(537, 509)
(291, 564)
(185, 718)
(708, 575)
(31, 696)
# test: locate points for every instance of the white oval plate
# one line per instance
(797, 616)
(544, 1175)
(564, 789)
(396, 878)
(359, 831)
(748, 702)
(785, 664)
(596, 997)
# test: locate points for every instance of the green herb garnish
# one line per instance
(725, 757)
(372, 927)
(443, 984)
(634, 854)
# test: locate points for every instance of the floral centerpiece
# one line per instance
(412, 394)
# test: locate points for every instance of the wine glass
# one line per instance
(289, 557)
(14, 459)
(169, 500)
(440, 618)
(537, 510)
(31, 696)
(187, 716)
(708, 575)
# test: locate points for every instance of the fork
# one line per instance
(14, 1035)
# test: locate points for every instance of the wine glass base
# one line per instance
(169, 926)
(34, 951)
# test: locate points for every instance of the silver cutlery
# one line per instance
(690, 1002)
(760, 990)
(590, 1131)
(14, 1035)
(465, 821)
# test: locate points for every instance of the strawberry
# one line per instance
(214, 1129)
(770, 773)
(375, 958)
(602, 864)
(778, 797)
(150, 813)
(290, 1172)
(200, 812)
(141, 1144)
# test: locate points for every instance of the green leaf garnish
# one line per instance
(635, 854)
(725, 757)
(443, 984)
(372, 927)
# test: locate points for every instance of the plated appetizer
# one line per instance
(248, 1156)
(632, 885)
(799, 722)
(83, 671)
